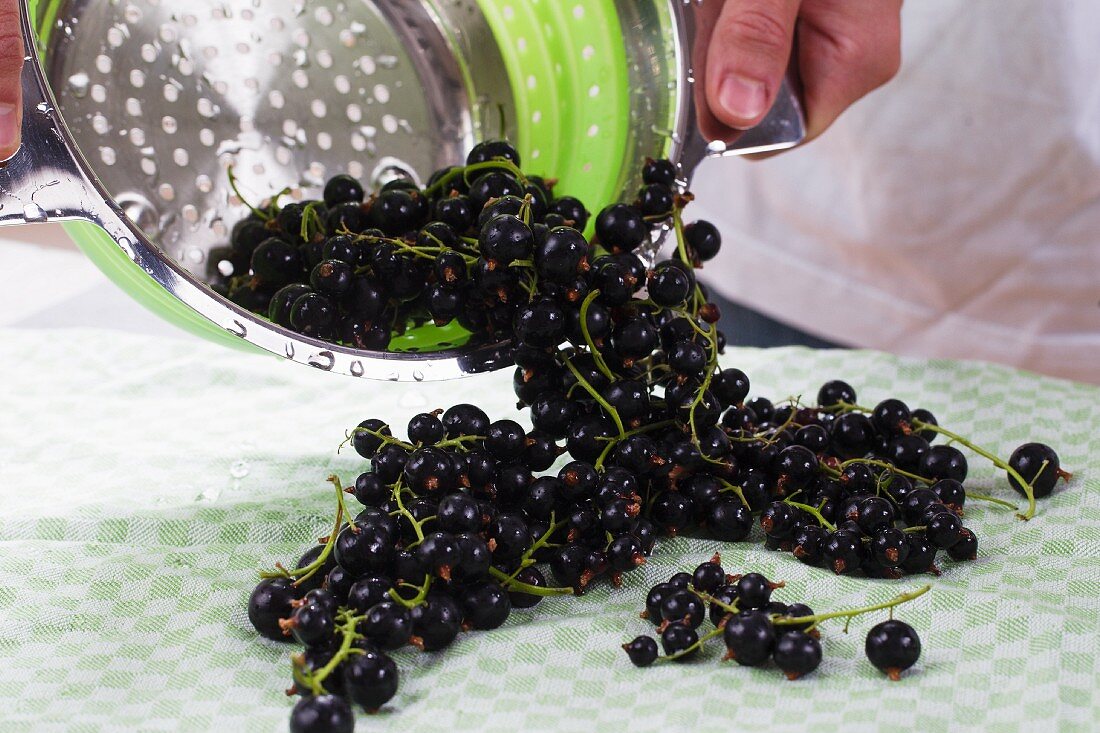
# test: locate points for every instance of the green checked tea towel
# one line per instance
(143, 482)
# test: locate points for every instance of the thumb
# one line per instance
(748, 55)
(11, 68)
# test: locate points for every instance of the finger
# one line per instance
(748, 54)
(846, 49)
(11, 68)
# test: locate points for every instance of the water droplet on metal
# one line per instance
(356, 368)
(239, 469)
(32, 212)
(418, 375)
(237, 328)
(289, 349)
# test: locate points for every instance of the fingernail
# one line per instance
(743, 98)
(9, 127)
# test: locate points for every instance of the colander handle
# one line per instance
(783, 127)
(45, 179)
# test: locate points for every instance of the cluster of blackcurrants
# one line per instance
(755, 628)
(618, 364)
(479, 243)
(835, 481)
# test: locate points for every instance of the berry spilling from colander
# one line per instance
(482, 245)
(469, 518)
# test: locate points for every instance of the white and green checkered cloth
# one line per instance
(144, 481)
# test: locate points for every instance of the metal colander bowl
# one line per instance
(136, 109)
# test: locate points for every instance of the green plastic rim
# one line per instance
(566, 62)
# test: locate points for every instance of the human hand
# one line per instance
(845, 49)
(11, 69)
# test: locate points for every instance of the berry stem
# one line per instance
(708, 598)
(600, 363)
(397, 489)
(525, 559)
(727, 486)
(421, 593)
(991, 500)
(305, 573)
(316, 680)
(520, 587)
(814, 620)
(596, 396)
(698, 645)
(888, 466)
(1029, 490)
(261, 215)
(459, 441)
(813, 511)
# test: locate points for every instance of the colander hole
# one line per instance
(137, 78)
(594, 91)
(203, 183)
(275, 99)
(191, 21)
(508, 12)
(342, 84)
(275, 58)
(219, 228)
(243, 48)
(317, 170)
(588, 52)
(358, 142)
(318, 108)
(206, 137)
(206, 108)
(191, 214)
(389, 123)
(531, 82)
(300, 36)
(578, 11)
(355, 169)
(521, 44)
(593, 131)
(166, 192)
(381, 93)
(536, 116)
(366, 65)
(282, 155)
(148, 166)
(99, 93)
(225, 268)
(168, 33)
(323, 15)
(137, 136)
(258, 169)
(277, 24)
(324, 59)
(221, 87)
(115, 36)
(148, 53)
(387, 61)
(586, 167)
(179, 155)
(354, 112)
(252, 83)
(210, 52)
(290, 127)
(324, 141)
(185, 66)
(168, 124)
(300, 78)
(100, 124)
(133, 107)
(107, 155)
(132, 14)
(535, 153)
(347, 38)
(103, 64)
(171, 93)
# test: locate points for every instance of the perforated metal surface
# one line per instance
(162, 96)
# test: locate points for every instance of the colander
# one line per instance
(134, 110)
